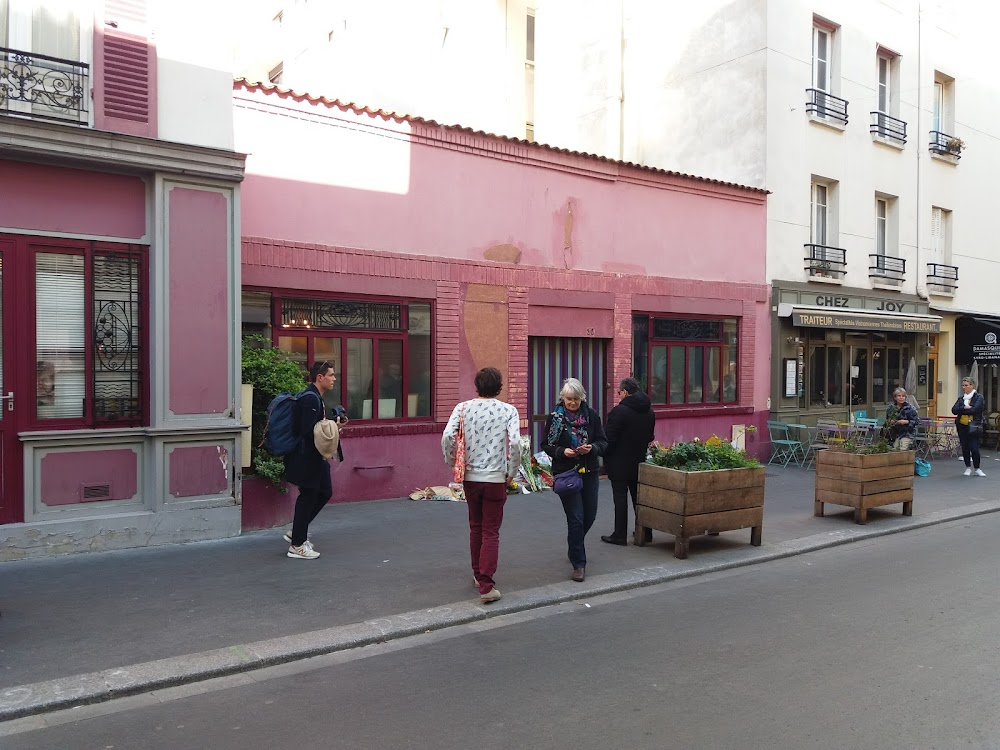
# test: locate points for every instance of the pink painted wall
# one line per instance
(669, 431)
(413, 196)
(199, 301)
(199, 470)
(63, 473)
(74, 201)
(412, 461)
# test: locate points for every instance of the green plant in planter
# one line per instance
(695, 455)
(851, 445)
(270, 371)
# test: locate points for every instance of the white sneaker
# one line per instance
(288, 538)
(980, 473)
(968, 472)
(302, 553)
(490, 596)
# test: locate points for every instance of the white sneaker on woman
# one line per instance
(968, 472)
(980, 473)
(302, 553)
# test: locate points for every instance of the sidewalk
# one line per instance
(387, 569)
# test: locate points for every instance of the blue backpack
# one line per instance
(281, 437)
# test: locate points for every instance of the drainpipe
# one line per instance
(621, 85)
(921, 284)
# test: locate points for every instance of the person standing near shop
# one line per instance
(968, 411)
(574, 438)
(306, 468)
(629, 431)
(490, 432)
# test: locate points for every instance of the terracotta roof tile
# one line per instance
(268, 88)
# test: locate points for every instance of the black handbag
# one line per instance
(975, 429)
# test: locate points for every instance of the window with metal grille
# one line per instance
(380, 352)
(686, 361)
(89, 313)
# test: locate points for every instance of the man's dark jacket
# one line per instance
(630, 431)
(305, 466)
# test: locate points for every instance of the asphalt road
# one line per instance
(889, 644)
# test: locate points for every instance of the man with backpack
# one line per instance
(305, 467)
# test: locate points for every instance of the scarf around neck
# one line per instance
(577, 425)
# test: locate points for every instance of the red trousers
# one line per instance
(485, 501)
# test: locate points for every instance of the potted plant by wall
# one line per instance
(955, 146)
(270, 371)
(699, 487)
(823, 268)
(864, 476)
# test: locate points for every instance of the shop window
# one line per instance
(380, 351)
(88, 340)
(826, 376)
(686, 361)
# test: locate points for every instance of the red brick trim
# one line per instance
(447, 332)
(334, 261)
(517, 344)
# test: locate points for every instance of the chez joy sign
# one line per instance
(856, 313)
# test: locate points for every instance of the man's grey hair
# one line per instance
(898, 391)
(629, 385)
(574, 389)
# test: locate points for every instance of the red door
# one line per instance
(11, 499)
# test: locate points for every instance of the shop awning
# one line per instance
(977, 338)
(852, 319)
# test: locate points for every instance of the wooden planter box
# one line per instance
(689, 503)
(864, 481)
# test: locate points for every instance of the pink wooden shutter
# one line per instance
(124, 70)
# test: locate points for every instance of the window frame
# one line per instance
(824, 32)
(706, 345)
(940, 235)
(881, 226)
(814, 214)
(883, 95)
(311, 332)
(87, 249)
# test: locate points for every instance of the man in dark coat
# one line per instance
(630, 431)
(306, 468)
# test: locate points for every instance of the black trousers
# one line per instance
(620, 489)
(970, 445)
(310, 502)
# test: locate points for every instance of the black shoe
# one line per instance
(612, 539)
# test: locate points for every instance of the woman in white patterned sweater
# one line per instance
(492, 456)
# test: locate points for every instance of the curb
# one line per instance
(98, 687)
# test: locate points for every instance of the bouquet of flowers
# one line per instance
(532, 473)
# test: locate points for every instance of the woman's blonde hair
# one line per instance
(573, 388)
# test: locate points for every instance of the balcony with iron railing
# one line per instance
(825, 262)
(44, 87)
(826, 106)
(886, 269)
(942, 279)
(888, 127)
(943, 144)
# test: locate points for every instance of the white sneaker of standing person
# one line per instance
(968, 471)
(302, 553)
(980, 473)
(308, 543)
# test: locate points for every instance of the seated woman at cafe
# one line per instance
(901, 421)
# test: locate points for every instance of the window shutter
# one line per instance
(125, 70)
(937, 236)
